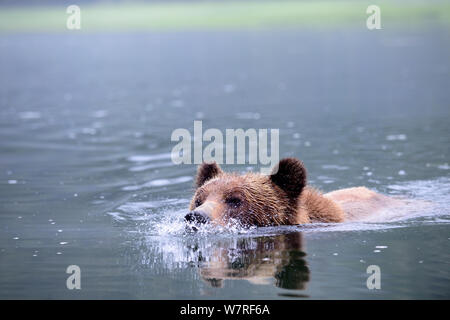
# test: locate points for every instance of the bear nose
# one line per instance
(197, 217)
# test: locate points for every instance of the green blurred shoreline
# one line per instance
(221, 15)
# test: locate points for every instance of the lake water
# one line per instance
(86, 177)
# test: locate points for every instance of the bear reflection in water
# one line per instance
(258, 260)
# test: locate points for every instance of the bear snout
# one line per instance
(197, 217)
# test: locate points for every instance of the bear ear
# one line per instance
(205, 172)
(290, 175)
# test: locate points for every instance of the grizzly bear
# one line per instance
(282, 198)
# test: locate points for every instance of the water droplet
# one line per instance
(396, 137)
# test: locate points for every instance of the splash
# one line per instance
(166, 218)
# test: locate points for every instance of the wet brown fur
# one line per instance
(282, 198)
(262, 205)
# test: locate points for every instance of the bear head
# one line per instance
(251, 199)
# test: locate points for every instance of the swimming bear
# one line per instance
(282, 198)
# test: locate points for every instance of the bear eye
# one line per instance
(233, 201)
(198, 203)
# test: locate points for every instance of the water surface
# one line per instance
(86, 176)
